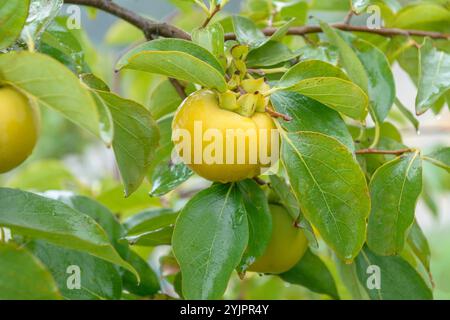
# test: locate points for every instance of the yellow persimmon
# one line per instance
(19, 126)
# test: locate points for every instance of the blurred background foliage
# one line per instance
(67, 158)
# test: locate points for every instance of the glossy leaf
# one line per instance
(163, 100)
(23, 276)
(102, 215)
(394, 189)
(407, 284)
(408, 114)
(434, 76)
(167, 176)
(419, 244)
(51, 85)
(348, 57)
(259, 221)
(43, 218)
(99, 279)
(330, 187)
(287, 198)
(424, 16)
(13, 14)
(178, 59)
(440, 158)
(247, 32)
(210, 237)
(341, 95)
(136, 137)
(210, 38)
(162, 236)
(149, 220)
(149, 283)
(105, 119)
(381, 85)
(310, 69)
(59, 42)
(312, 273)
(311, 115)
(270, 54)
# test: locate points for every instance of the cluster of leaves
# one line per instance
(361, 205)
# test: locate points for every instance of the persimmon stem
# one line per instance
(378, 151)
(179, 88)
(213, 13)
(260, 181)
(276, 114)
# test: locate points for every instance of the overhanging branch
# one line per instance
(387, 32)
(148, 26)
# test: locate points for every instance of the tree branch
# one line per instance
(377, 151)
(148, 26)
(388, 32)
(179, 88)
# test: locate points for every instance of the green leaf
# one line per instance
(99, 279)
(149, 283)
(51, 85)
(136, 137)
(247, 32)
(287, 198)
(349, 277)
(270, 54)
(419, 244)
(407, 284)
(440, 158)
(42, 218)
(167, 176)
(311, 115)
(164, 99)
(162, 236)
(408, 114)
(23, 276)
(310, 69)
(102, 215)
(211, 38)
(105, 119)
(330, 187)
(13, 15)
(424, 16)
(394, 189)
(150, 220)
(348, 57)
(312, 273)
(341, 95)
(259, 221)
(176, 58)
(210, 237)
(281, 31)
(434, 76)
(297, 10)
(59, 42)
(381, 85)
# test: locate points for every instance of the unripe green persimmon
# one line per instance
(287, 245)
(201, 113)
(19, 126)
